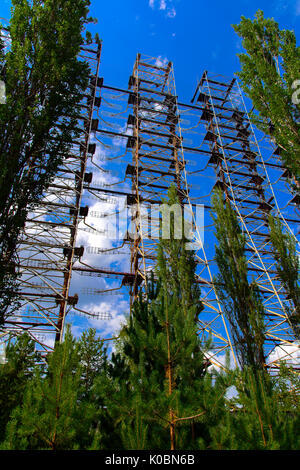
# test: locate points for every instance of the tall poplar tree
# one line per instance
(239, 295)
(44, 81)
(288, 268)
(270, 77)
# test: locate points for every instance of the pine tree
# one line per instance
(260, 419)
(51, 415)
(287, 388)
(44, 81)
(138, 371)
(15, 374)
(179, 306)
(93, 360)
(241, 299)
(270, 70)
(113, 394)
(159, 399)
(93, 364)
(288, 268)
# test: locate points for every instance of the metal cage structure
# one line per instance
(253, 180)
(47, 248)
(100, 217)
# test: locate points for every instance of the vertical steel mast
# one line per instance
(47, 250)
(243, 173)
(139, 141)
(156, 158)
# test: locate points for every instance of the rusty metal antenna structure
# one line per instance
(47, 250)
(137, 141)
(157, 161)
(223, 139)
(248, 181)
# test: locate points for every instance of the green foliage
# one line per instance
(46, 419)
(259, 421)
(18, 370)
(288, 268)
(44, 83)
(270, 67)
(93, 360)
(156, 397)
(127, 408)
(241, 300)
(134, 433)
(287, 388)
(176, 267)
(57, 410)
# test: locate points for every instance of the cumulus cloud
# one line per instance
(161, 61)
(171, 13)
(164, 5)
(289, 353)
(111, 327)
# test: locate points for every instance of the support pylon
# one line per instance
(47, 249)
(139, 140)
(242, 172)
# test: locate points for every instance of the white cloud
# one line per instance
(289, 353)
(161, 61)
(5, 36)
(171, 13)
(285, 6)
(166, 6)
(2, 93)
(111, 327)
(220, 361)
(231, 393)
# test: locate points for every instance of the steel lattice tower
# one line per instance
(245, 178)
(153, 140)
(157, 160)
(47, 249)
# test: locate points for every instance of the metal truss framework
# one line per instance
(47, 250)
(244, 176)
(157, 160)
(146, 133)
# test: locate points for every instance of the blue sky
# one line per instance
(194, 34)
